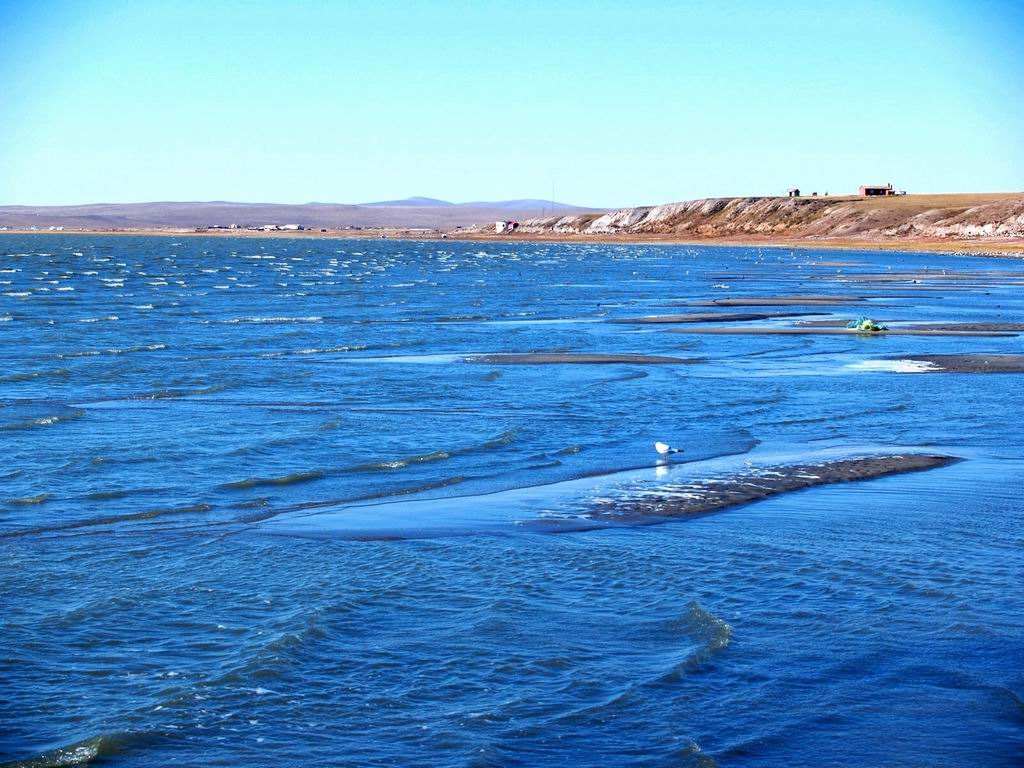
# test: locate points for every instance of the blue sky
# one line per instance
(605, 103)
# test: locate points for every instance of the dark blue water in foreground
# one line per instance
(258, 509)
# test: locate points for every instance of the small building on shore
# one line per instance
(876, 190)
(793, 192)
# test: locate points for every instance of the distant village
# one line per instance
(865, 190)
(263, 228)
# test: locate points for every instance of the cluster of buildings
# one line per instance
(878, 191)
(866, 190)
(261, 227)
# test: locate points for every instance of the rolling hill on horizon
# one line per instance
(412, 212)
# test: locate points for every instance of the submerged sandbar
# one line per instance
(709, 317)
(840, 331)
(577, 358)
(782, 301)
(992, 327)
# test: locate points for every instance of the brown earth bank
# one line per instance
(979, 223)
(706, 496)
(999, 216)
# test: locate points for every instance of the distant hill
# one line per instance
(538, 206)
(527, 204)
(413, 212)
(410, 202)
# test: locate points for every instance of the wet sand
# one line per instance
(971, 363)
(708, 496)
(572, 358)
(782, 301)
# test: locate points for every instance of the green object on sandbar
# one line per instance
(865, 325)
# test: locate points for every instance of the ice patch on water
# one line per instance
(269, 320)
(895, 366)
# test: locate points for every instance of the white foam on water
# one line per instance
(110, 318)
(259, 319)
(895, 366)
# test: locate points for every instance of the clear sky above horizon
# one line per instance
(599, 103)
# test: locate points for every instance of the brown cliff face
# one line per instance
(954, 217)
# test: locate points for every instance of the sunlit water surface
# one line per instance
(258, 509)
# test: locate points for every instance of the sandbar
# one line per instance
(781, 301)
(576, 358)
(708, 496)
(708, 317)
(833, 331)
(971, 363)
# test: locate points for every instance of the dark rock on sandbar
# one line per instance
(972, 363)
(707, 496)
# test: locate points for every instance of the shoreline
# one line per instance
(991, 248)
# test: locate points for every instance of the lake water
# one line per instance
(260, 506)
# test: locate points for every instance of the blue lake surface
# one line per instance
(263, 503)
